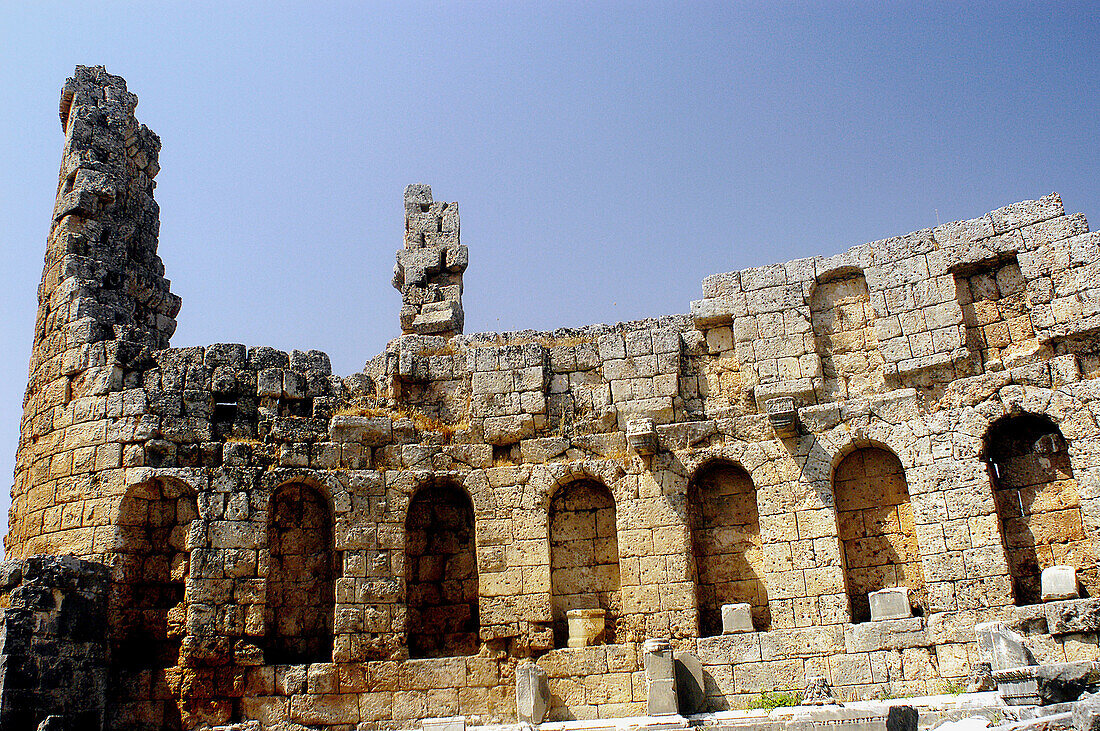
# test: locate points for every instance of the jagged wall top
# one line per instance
(106, 222)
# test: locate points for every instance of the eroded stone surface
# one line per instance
(269, 541)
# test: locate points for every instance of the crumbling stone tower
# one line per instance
(103, 307)
(429, 269)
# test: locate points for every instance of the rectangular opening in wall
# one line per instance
(993, 297)
(225, 413)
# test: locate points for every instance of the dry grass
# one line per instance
(420, 420)
(429, 352)
(544, 341)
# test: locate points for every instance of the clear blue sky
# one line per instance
(606, 156)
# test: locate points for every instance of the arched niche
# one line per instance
(844, 336)
(1038, 503)
(150, 574)
(441, 580)
(584, 555)
(301, 599)
(876, 529)
(725, 537)
(148, 595)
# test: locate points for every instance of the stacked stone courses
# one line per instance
(284, 544)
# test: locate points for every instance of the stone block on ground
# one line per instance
(660, 675)
(1066, 682)
(1086, 713)
(532, 693)
(1001, 647)
(446, 723)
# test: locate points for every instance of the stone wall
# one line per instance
(53, 643)
(283, 539)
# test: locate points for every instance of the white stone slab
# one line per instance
(892, 603)
(1059, 582)
(736, 618)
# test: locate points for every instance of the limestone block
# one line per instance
(660, 674)
(783, 415)
(532, 693)
(642, 435)
(585, 626)
(1059, 582)
(1001, 647)
(371, 431)
(891, 603)
(502, 430)
(736, 618)
(456, 259)
(1073, 616)
(1086, 713)
(447, 723)
(658, 408)
(714, 311)
(1065, 682)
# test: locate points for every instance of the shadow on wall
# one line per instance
(301, 599)
(1038, 503)
(441, 573)
(147, 596)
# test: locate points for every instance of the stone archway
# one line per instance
(584, 555)
(876, 528)
(725, 532)
(1038, 503)
(441, 576)
(301, 599)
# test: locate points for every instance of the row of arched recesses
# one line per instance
(874, 524)
(1035, 493)
(1036, 497)
(152, 564)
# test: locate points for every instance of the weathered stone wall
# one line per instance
(53, 643)
(270, 527)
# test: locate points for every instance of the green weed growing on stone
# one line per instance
(774, 699)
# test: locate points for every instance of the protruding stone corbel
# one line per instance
(783, 415)
(642, 435)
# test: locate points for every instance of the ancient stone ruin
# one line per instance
(832, 468)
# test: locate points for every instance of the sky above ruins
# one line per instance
(605, 156)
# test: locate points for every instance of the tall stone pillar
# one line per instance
(430, 266)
